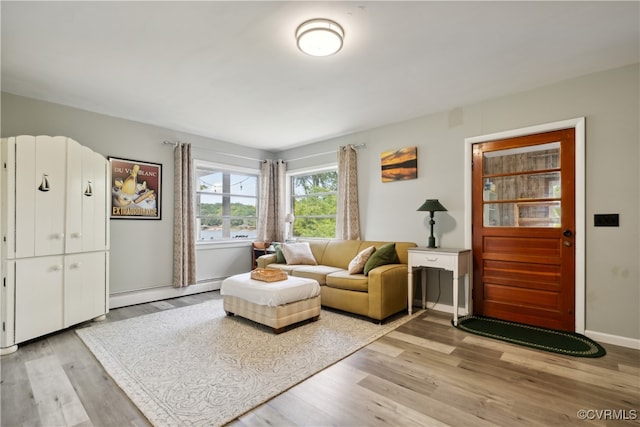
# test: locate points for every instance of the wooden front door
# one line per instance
(524, 229)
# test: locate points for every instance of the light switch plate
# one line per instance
(606, 220)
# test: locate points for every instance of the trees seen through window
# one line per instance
(315, 201)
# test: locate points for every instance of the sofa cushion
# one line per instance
(339, 252)
(385, 254)
(298, 253)
(316, 272)
(350, 282)
(284, 267)
(318, 248)
(357, 263)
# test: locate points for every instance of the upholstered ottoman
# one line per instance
(274, 304)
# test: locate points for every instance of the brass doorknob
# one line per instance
(567, 243)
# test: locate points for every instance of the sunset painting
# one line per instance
(397, 165)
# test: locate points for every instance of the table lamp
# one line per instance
(432, 205)
(290, 218)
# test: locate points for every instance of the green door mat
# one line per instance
(552, 340)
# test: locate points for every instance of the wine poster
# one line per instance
(135, 189)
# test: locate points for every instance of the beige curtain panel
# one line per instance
(184, 251)
(348, 215)
(271, 205)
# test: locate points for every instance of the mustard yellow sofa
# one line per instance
(378, 295)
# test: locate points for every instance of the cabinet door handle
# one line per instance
(432, 259)
(58, 236)
(57, 267)
(75, 265)
(76, 235)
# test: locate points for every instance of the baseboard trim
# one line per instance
(161, 293)
(600, 337)
(445, 308)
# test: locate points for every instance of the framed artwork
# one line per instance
(136, 189)
(399, 165)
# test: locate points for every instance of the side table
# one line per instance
(456, 260)
(258, 249)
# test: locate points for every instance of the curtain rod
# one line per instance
(356, 146)
(217, 152)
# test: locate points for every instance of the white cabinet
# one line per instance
(39, 296)
(55, 236)
(84, 296)
(86, 200)
(40, 191)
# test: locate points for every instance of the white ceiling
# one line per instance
(231, 70)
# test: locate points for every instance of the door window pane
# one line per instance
(522, 187)
(531, 186)
(544, 214)
(529, 214)
(526, 159)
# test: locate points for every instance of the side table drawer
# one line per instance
(432, 260)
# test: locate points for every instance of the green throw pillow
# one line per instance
(385, 254)
(279, 255)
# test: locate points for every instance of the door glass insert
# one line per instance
(522, 187)
(530, 186)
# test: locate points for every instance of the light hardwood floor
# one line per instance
(426, 373)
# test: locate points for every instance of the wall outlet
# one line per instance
(606, 220)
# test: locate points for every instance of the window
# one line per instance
(314, 198)
(226, 203)
(522, 186)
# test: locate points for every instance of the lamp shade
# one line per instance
(432, 205)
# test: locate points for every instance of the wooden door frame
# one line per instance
(580, 227)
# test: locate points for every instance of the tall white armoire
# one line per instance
(55, 236)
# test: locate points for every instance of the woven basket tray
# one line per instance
(268, 274)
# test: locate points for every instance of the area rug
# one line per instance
(569, 343)
(196, 366)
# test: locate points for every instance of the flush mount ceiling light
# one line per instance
(319, 37)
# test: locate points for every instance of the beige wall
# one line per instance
(141, 250)
(609, 101)
(141, 253)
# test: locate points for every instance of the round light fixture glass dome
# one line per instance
(319, 37)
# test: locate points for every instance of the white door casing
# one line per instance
(580, 221)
